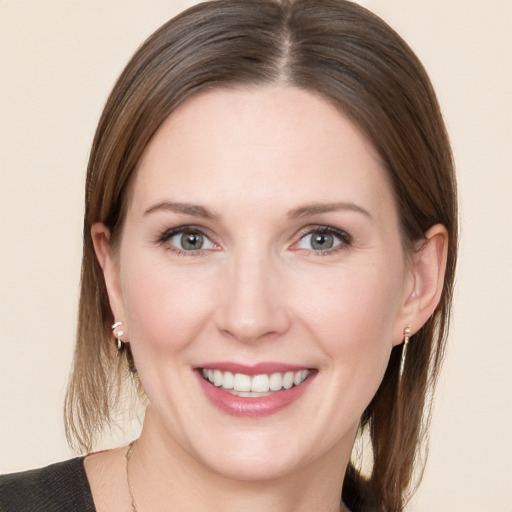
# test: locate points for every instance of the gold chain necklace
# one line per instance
(127, 456)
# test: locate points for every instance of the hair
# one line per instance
(355, 61)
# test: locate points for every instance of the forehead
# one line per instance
(271, 144)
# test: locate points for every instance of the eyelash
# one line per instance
(344, 238)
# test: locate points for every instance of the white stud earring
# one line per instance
(118, 335)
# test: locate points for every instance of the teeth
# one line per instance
(276, 382)
(260, 383)
(248, 394)
(242, 382)
(217, 377)
(228, 380)
(245, 385)
(288, 380)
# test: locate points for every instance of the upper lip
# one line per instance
(256, 369)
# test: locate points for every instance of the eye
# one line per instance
(188, 240)
(323, 239)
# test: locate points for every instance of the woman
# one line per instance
(269, 249)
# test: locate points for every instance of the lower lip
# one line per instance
(253, 407)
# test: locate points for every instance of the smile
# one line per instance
(254, 391)
(244, 385)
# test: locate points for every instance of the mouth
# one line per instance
(256, 391)
(261, 385)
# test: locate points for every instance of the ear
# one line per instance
(428, 266)
(109, 264)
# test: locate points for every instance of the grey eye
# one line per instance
(322, 241)
(318, 241)
(191, 241)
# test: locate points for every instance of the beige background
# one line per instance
(58, 60)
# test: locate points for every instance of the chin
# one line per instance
(253, 470)
(255, 455)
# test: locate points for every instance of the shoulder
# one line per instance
(56, 488)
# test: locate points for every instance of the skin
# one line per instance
(257, 160)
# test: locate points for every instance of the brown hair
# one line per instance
(355, 61)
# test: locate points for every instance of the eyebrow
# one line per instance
(303, 211)
(317, 208)
(184, 208)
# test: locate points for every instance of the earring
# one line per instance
(407, 332)
(118, 335)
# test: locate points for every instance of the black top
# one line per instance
(61, 487)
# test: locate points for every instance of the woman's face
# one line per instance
(261, 248)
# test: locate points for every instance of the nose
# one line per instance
(254, 305)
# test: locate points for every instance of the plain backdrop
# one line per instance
(58, 61)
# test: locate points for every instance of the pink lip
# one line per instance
(257, 369)
(257, 406)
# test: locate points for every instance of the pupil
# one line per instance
(192, 241)
(322, 241)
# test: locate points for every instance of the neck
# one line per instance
(165, 477)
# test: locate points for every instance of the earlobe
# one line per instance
(428, 270)
(107, 260)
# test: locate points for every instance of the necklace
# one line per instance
(127, 456)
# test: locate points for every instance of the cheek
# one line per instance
(164, 308)
(165, 312)
(352, 316)
(352, 322)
